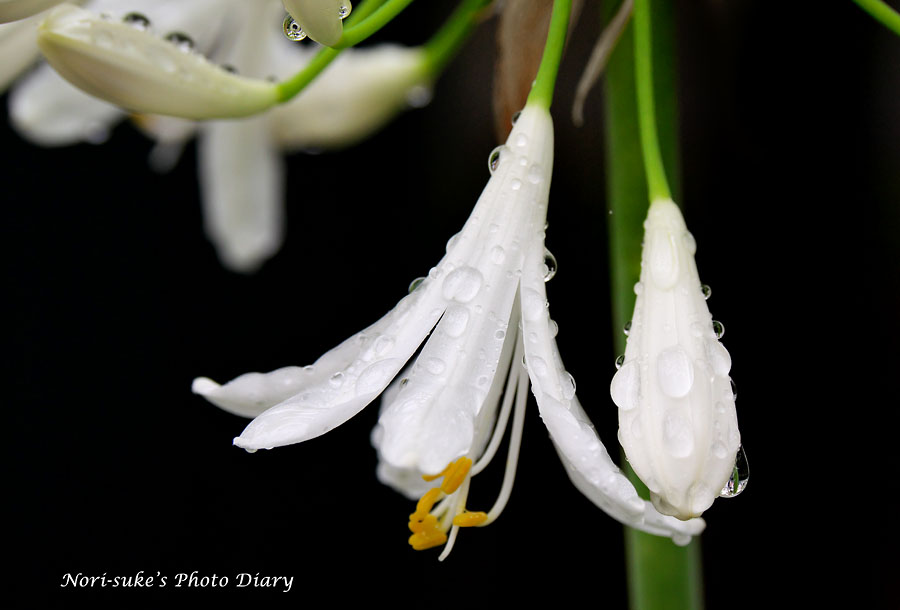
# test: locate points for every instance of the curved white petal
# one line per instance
(342, 381)
(581, 451)
(18, 48)
(49, 111)
(320, 19)
(361, 91)
(142, 72)
(436, 414)
(242, 190)
(13, 10)
(677, 419)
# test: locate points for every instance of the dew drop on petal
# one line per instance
(344, 10)
(435, 366)
(500, 334)
(337, 380)
(415, 284)
(455, 321)
(554, 328)
(418, 96)
(674, 372)
(638, 288)
(532, 304)
(516, 184)
(568, 386)
(537, 365)
(521, 140)
(620, 361)
(706, 291)
(498, 255)
(733, 389)
(462, 284)
(718, 329)
(627, 329)
(689, 242)
(550, 265)
(535, 175)
(137, 21)
(181, 40)
(292, 29)
(718, 357)
(626, 386)
(740, 475)
(515, 117)
(494, 159)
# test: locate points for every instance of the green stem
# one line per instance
(657, 184)
(542, 92)
(446, 42)
(882, 13)
(660, 574)
(364, 21)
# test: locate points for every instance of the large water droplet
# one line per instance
(620, 361)
(718, 357)
(706, 290)
(740, 475)
(292, 29)
(181, 40)
(550, 265)
(137, 21)
(344, 10)
(675, 372)
(718, 329)
(462, 284)
(626, 386)
(678, 438)
(535, 174)
(494, 159)
(455, 321)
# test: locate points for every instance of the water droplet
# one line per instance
(521, 140)
(515, 117)
(535, 175)
(689, 242)
(500, 334)
(383, 344)
(415, 284)
(719, 450)
(455, 321)
(498, 254)
(494, 159)
(627, 329)
(620, 361)
(230, 69)
(418, 96)
(554, 328)
(435, 366)
(137, 21)
(718, 357)
(537, 365)
(309, 369)
(524, 363)
(454, 239)
(568, 386)
(638, 288)
(674, 372)
(292, 29)
(532, 304)
(181, 40)
(733, 389)
(337, 379)
(516, 184)
(678, 438)
(482, 381)
(550, 265)
(718, 328)
(462, 284)
(740, 474)
(626, 386)
(345, 9)
(706, 290)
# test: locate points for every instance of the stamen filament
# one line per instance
(458, 507)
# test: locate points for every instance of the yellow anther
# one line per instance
(426, 540)
(455, 475)
(432, 477)
(418, 523)
(423, 507)
(467, 519)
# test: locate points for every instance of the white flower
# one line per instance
(438, 418)
(240, 161)
(677, 420)
(321, 20)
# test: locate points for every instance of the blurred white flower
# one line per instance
(240, 161)
(482, 308)
(677, 419)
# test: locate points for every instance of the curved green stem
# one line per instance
(882, 13)
(657, 184)
(444, 45)
(542, 92)
(379, 18)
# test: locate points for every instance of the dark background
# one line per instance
(789, 129)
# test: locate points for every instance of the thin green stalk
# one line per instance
(542, 92)
(660, 574)
(364, 21)
(444, 45)
(882, 13)
(657, 184)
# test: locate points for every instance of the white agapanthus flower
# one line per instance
(677, 419)
(484, 306)
(240, 162)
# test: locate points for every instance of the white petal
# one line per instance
(580, 449)
(18, 48)
(342, 382)
(242, 189)
(361, 91)
(49, 111)
(677, 419)
(142, 72)
(436, 416)
(320, 19)
(13, 10)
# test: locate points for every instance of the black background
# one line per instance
(791, 171)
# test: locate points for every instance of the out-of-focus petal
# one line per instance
(142, 72)
(18, 48)
(13, 10)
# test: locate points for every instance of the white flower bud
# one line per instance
(142, 72)
(677, 420)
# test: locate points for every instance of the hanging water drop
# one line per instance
(706, 290)
(137, 21)
(550, 265)
(181, 40)
(345, 9)
(733, 388)
(292, 29)
(620, 361)
(627, 329)
(515, 117)
(740, 474)
(415, 284)
(718, 328)
(494, 159)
